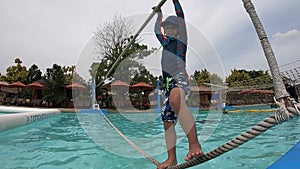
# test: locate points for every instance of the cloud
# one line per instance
(286, 48)
(44, 32)
(290, 35)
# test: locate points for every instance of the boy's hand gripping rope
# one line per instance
(288, 109)
(161, 3)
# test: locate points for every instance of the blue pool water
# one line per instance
(71, 141)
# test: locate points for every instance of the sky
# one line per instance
(221, 34)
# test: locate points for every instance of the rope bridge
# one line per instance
(288, 107)
(283, 114)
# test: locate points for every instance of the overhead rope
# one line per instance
(288, 107)
(130, 142)
(161, 3)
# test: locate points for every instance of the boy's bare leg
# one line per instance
(186, 119)
(170, 135)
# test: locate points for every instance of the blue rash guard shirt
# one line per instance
(173, 60)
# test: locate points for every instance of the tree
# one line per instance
(144, 76)
(68, 72)
(17, 72)
(204, 76)
(55, 92)
(110, 40)
(34, 74)
(71, 76)
(2, 77)
(237, 76)
(215, 79)
(112, 37)
(253, 78)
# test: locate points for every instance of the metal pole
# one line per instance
(93, 91)
(158, 108)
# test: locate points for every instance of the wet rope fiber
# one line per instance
(282, 114)
(266, 124)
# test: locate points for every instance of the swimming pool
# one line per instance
(86, 141)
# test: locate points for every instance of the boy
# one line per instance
(176, 84)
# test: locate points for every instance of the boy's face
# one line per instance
(171, 30)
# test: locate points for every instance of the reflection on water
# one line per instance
(87, 141)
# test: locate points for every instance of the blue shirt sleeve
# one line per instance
(158, 30)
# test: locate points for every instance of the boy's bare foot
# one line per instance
(194, 152)
(166, 164)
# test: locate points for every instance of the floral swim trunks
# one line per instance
(168, 115)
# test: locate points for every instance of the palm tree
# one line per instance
(277, 80)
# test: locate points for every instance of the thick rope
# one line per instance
(244, 137)
(278, 118)
(287, 110)
(288, 107)
(130, 142)
(161, 3)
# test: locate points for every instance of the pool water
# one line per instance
(71, 141)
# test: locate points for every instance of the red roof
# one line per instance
(17, 84)
(119, 83)
(75, 86)
(142, 85)
(2, 83)
(36, 85)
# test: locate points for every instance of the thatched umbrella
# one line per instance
(17, 85)
(35, 86)
(4, 84)
(119, 83)
(120, 88)
(75, 86)
(142, 86)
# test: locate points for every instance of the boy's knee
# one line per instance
(176, 98)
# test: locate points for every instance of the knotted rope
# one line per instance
(283, 114)
(288, 108)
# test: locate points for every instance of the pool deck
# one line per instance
(291, 160)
